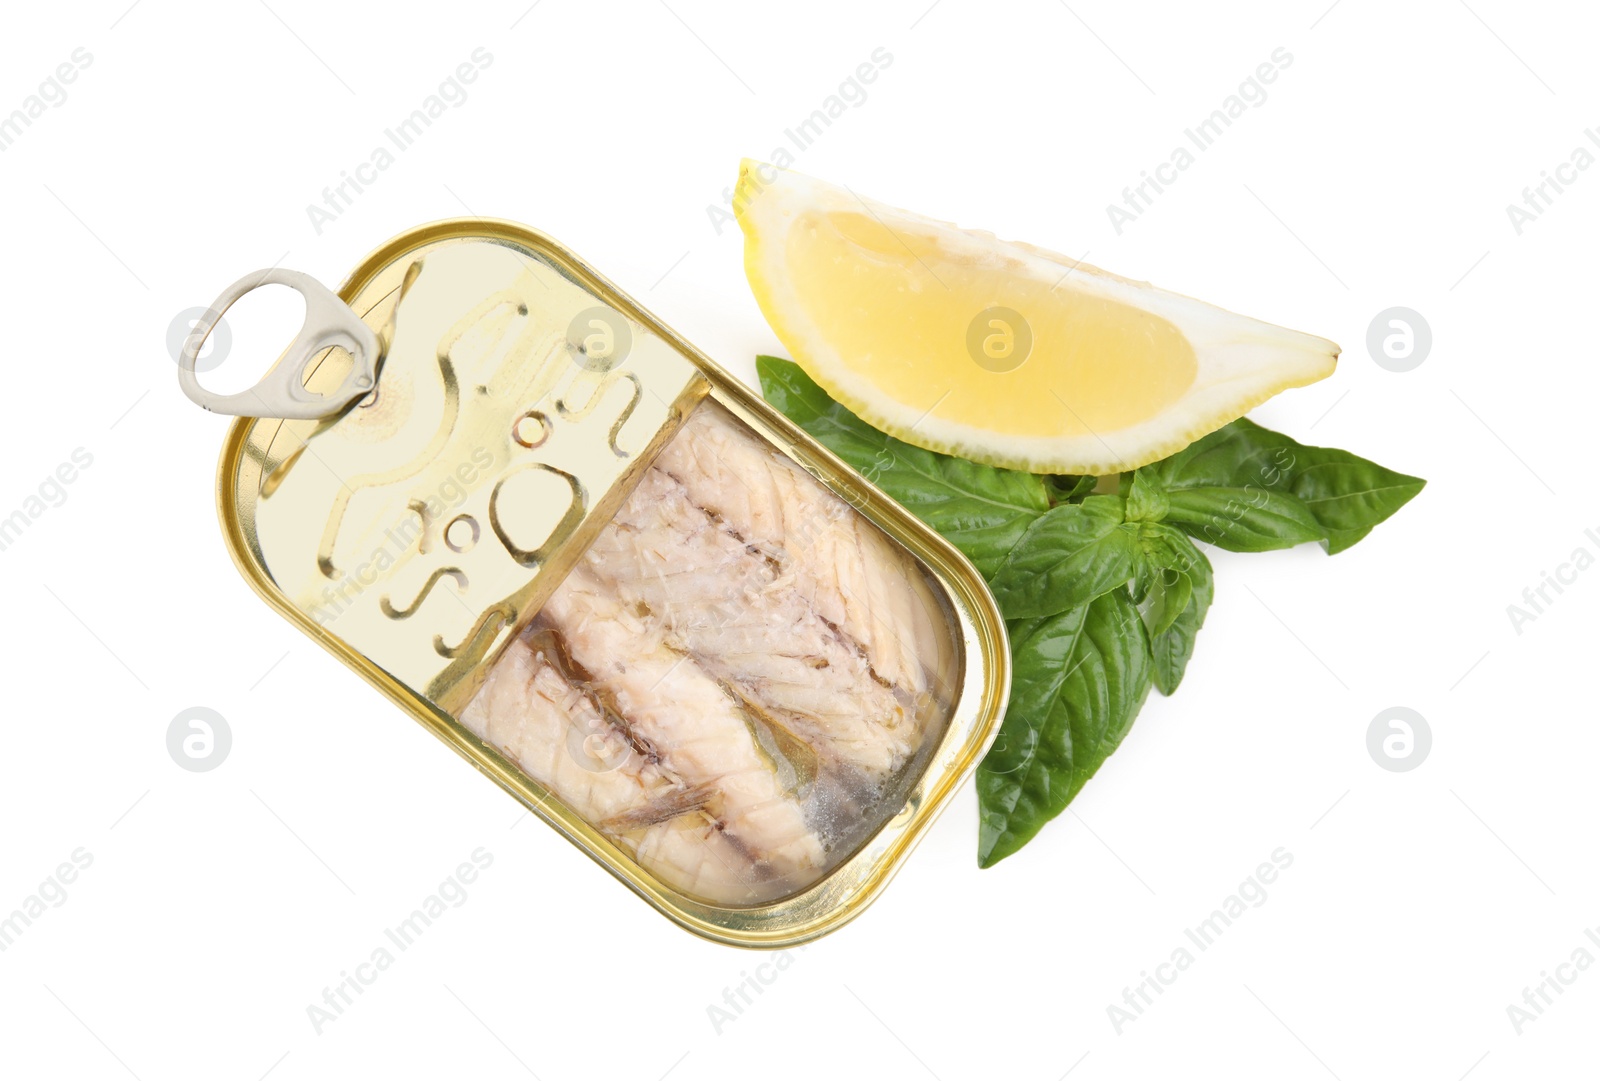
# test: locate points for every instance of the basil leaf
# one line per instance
(1166, 595)
(1078, 680)
(1243, 519)
(1170, 651)
(1069, 556)
(981, 510)
(1348, 494)
(1239, 455)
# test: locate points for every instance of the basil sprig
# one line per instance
(1103, 594)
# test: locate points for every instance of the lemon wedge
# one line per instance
(997, 351)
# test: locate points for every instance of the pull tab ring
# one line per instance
(281, 393)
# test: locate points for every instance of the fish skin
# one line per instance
(853, 575)
(746, 621)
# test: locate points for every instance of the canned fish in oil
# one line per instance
(657, 613)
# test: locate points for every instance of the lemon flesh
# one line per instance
(997, 351)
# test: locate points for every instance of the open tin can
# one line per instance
(664, 618)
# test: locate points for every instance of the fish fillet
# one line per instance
(853, 575)
(556, 734)
(747, 621)
(699, 729)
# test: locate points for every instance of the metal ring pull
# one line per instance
(281, 393)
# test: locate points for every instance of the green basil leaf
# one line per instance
(1243, 519)
(1069, 556)
(1165, 597)
(1348, 494)
(1239, 455)
(1170, 651)
(981, 510)
(1078, 680)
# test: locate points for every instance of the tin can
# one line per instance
(534, 520)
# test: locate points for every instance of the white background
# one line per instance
(219, 905)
